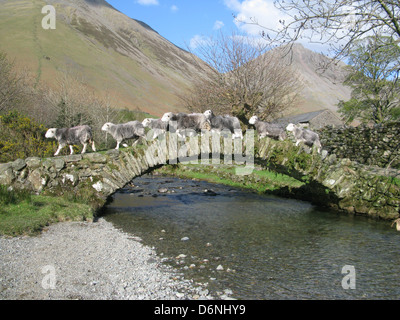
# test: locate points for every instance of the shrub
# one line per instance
(21, 137)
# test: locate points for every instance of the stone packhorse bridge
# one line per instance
(338, 183)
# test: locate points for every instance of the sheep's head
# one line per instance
(106, 126)
(290, 127)
(208, 114)
(167, 116)
(51, 133)
(146, 122)
(253, 120)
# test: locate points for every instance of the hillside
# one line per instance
(128, 59)
(110, 51)
(322, 89)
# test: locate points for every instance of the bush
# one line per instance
(12, 197)
(21, 137)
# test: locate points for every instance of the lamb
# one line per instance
(309, 137)
(157, 126)
(268, 129)
(124, 131)
(193, 121)
(70, 136)
(226, 122)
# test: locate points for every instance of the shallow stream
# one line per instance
(251, 246)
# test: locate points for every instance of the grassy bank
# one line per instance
(24, 214)
(260, 180)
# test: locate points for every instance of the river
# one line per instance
(253, 246)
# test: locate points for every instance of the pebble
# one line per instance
(121, 267)
(185, 239)
(220, 268)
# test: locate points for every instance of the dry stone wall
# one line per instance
(377, 145)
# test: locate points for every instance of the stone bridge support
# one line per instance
(339, 183)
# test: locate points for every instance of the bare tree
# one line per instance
(244, 79)
(337, 24)
(12, 85)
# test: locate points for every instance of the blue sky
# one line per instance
(180, 21)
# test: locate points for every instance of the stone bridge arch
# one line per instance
(339, 183)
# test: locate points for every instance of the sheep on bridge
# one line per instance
(124, 131)
(309, 137)
(226, 122)
(187, 122)
(268, 129)
(157, 126)
(70, 136)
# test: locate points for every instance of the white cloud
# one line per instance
(198, 41)
(262, 11)
(147, 2)
(174, 8)
(267, 18)
(218, 25)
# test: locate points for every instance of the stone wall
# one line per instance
(378, 145)
(339, 183)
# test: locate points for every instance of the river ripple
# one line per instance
(268, 247)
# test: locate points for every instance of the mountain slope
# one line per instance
(128, 59)
(110, 51)
(322, 89)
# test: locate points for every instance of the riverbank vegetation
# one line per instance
(22, 213)
(260, 180)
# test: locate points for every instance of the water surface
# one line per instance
(268, 247)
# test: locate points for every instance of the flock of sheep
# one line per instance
(186, 124)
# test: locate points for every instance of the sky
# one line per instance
(183, 21)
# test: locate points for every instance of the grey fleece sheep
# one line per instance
(70, 136)
(309, 137)
(124, 131)
(193, 121)
(226, 122)
(268, 129)
(157, 126)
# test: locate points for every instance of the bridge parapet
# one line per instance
(340, 183)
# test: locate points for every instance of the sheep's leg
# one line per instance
(60, 146)
(117, 147)
(319, 146)
(136, 141)
(93, 147)
(71, 148)
(84, 148)
(298, 142)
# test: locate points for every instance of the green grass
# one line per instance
(259, 180)
(24, 214)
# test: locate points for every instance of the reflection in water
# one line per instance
(268, 247)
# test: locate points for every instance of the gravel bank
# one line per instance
(84, 260)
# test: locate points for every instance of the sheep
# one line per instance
(309, 137)
(157, 126)
(192, 121)
(268, 129)
(70, 136)
(226, 122)
(123, 131)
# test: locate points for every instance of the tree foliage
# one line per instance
(374, 79)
